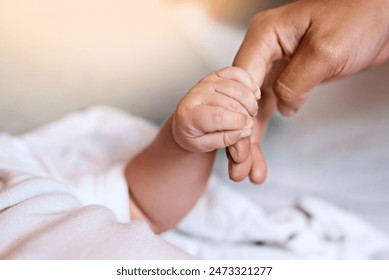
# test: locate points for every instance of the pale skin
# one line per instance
(167, 178)
(291, 49)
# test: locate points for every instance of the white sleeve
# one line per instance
(108, 188)
(42, 218)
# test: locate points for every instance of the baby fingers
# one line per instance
(239, 93)
(241, 76)
(220, 100)
(207, 119)
(223, 139)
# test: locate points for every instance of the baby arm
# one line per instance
(167, 178)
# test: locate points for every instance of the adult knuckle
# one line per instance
(322, 50)
(328, 52)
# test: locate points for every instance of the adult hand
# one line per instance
(292, 48)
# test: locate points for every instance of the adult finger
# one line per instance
(272, 35)
(239, 152)
(254, 165)
(258, 169)
(313, 62)
(267, 105)
(238, 171)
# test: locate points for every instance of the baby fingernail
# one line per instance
(256, 109)
(246, 133)
(249, 123)
(258, 93)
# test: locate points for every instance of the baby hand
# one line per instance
(217, 112)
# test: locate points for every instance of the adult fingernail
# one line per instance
(246, 133)
(286, 110)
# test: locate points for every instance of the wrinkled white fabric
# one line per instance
(224, 224)
(45, 215)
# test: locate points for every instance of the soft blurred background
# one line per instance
(142, 56)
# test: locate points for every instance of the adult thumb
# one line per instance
(313, 61)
